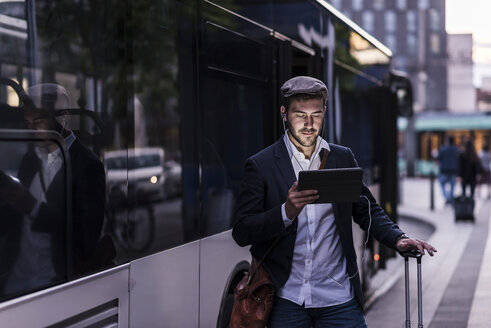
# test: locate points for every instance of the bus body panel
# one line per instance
(153, 278)
(217, 264)
(57, 304)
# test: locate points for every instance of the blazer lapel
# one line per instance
(284, 164)
(331, 159)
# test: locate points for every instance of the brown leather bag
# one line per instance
(253, 297)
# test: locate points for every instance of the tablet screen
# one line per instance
(333, 185)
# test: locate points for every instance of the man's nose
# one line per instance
(309, 121)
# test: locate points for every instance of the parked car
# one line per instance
(141, 168)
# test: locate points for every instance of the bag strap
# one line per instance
(324, 153)
(258, 264)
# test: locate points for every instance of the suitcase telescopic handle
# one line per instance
(415, 254)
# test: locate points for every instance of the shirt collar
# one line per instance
(290, 147)
(43, 153)
(69, 140)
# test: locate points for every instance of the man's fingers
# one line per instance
(304, 193)
(431, 250)
(307, 200)
(304, 199)
(296, 200)
(420, 245)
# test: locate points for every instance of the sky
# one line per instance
(473, 16)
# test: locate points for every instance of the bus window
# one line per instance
(236, 103)
(153, 179)
(33, 202)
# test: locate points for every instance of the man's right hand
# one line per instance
(296, 200)
(16, 195)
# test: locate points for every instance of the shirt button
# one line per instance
(305, 281)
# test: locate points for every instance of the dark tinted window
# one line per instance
(234, 52)
(236, 102)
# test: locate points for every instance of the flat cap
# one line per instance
(304, 85)
(49, 96)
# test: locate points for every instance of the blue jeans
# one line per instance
(286, 314)
(450, 179)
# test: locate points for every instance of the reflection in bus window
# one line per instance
(50, 111)
(38, 195)
(32, 231)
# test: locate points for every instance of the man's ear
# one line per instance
(283, 113)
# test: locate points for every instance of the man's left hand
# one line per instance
(408, 244)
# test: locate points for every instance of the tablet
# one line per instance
(333, 185)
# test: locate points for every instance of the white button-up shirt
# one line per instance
(318, 277)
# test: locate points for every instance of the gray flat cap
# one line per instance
(49, 96)
(304, 85)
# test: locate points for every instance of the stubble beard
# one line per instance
(303, 141)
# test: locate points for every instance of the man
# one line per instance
(38, 203)
(313, 267)
(448, 158)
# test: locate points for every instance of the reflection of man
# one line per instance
(40, 254)
(313, 267)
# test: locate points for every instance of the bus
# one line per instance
(195, 82)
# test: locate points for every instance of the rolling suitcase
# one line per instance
(464, 208)
(406, 256)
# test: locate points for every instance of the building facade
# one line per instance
(461, 94)
(483, 95)
(415, 32)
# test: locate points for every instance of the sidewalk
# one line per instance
(450, 296)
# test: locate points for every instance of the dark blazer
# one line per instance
(258, 220)
(88, 186)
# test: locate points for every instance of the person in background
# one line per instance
(469, 168)
(485, 158)
(448, 159)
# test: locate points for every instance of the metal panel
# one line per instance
(56, 304)
(164, 288)
(219, 256)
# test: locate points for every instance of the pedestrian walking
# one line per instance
(469, 168)
(448, 160)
